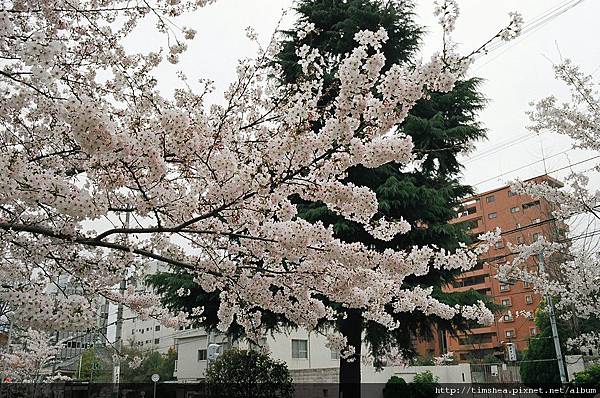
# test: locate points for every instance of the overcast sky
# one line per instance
(516, 74)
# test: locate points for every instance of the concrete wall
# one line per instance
(460, 373)
(324, 375)
(279, 345)
(319, 356)
(188, 367)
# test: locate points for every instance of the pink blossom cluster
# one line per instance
(26, 360)
(103, 174)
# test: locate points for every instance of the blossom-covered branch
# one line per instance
(103, 174)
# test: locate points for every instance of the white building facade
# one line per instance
(297, 348)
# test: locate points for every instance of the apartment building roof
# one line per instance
(553, 182)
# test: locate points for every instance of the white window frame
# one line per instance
(299, 352)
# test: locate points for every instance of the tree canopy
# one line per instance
(248, 373)
(141, 365)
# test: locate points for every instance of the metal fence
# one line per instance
(495, 373)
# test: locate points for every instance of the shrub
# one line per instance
(248, 373)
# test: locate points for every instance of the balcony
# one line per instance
(483, 329)
(467, 347)
(475, 282)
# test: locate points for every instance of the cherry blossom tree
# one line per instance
(27, 360)
(576, 282)
(102, 173)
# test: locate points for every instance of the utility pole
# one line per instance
(552, 315)
(119, 336)
(119, 329)
(55, 359)
(10, 334)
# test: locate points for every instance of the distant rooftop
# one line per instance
(553, 182)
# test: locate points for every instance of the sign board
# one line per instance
(511, 352)
(155, 377)
(116, 374)
(494, 370)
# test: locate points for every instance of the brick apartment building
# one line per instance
(522, 219)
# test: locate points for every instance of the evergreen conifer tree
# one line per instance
(441, 127)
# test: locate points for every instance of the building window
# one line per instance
(132, 331)
(156, 341)
(536, 236)
(532, 331)
(472, 224)
(157, 328)
(528, 299)
(520, 240)
(202, 355)
(510, 334)
(490, 199)
(536, 221)
(492, 216)
(515, 209)
(482, 338)
(299, 349)
(511, 193)
(526, 285)
(499, 245)
(531, 204)
(335, 354)
(506, 302)
(507, 318)
(470, 281)
(504, 287)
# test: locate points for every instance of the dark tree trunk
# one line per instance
(351, 328)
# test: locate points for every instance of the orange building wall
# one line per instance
(519, 224)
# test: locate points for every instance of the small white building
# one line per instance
(306, 354)
(297, 348)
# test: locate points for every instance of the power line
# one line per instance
(533, 26)
(499, 148)
(540, 21)
(574, 164)
(527, 165)
(538, 161)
